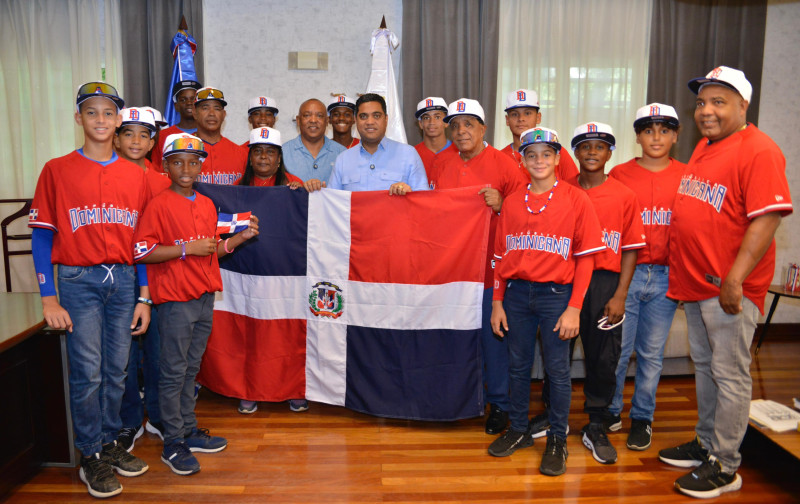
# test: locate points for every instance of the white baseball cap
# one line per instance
(135, 115)
(262, 102)
(539, 135)
(464, 106)
(728, 77)
(593, 131)
(265, 135)
(184, 142)
(430, 103)
(657, 113)
(341, 101)
(157, 117)
(522, 98)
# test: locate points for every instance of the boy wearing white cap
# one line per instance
(183, 98)
(262, 112)
(341, 113)
(476, 163)
(430, 118)
(604, 306)
(721, 261)
(654, 178)
(226, 160)
(522, 113)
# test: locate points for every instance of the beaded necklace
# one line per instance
(528, 192)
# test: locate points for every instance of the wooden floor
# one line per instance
(330, 454)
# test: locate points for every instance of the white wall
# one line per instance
(778, 117)
(247, 44)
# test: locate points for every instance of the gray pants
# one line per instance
(184, 328)
(720, 348)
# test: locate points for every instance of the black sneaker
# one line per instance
(510, 442)
(612, 423)
(156, 428)
(639, 436)
(122, 461)
(539, 424)
(595, 439)
(497, 421)
(691, 454)
(708, 481)
(128, 435)
(554, 460)
(99, 478)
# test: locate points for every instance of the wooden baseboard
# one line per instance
(783, 331)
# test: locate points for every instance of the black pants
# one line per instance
(601, 348)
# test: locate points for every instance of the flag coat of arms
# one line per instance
(362, 300)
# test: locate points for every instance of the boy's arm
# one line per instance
(42, 245)
(568, 325)
(142, 311)
(615, 308)
(163, 253)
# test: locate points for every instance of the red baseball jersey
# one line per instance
(428, 156)
(172, 219)
(355, 142)
(158, 148)
(156, 181)
(225, 163)
(489, 168)
(655, 192)
(270, 181)
(618, 212)
(565, 169)
(727, 184)
(93, 209)
(542, 247)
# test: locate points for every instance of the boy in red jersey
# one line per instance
(84, 213)
(545, 238)
(183, 98)
(654, 178)
(430, 118)
(262, 112)
(176, 237)
(604, 307)
(342, 117)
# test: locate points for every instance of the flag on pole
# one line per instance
(382, 80)
(183, 48)
(362, 300)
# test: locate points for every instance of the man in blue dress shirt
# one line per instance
(377, 163)
(311, 154)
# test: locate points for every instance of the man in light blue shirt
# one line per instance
(377, 163)
(311, 154)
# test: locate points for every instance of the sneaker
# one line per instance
(156, 428)
(99, 478)
(708, 481)
(199, 440)
(612, 423)
(197, 388)
(179, 458)
(639, 436)
(510, 442)
(497, 421)
(298, 405)
(247, 407)
(128, 435)
(554, 460)
(691, 454)
(123, 462)
(539, 424)
(595, 439)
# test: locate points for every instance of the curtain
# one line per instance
(146, 35)
(691, 37)
(449, 50)
(587, 61)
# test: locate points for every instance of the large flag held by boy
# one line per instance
(363, 300)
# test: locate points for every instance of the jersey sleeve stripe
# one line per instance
(770, 208)
(590, 251)
(497, 257)
(144, 254)
(43, 225)
(634, 246)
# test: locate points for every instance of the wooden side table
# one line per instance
(777, 291)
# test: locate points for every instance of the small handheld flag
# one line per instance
(232, 223)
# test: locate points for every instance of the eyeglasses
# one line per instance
(184, 144)
(97, 88)
(539, 136)
(209, 93)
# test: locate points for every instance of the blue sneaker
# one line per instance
(247, 407)
(298, 405)
(199, 440)
(178, 457)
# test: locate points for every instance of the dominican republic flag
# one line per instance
(362, 300)
(232, 223)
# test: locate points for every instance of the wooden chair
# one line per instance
(23, 212)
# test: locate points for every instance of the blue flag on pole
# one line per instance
(183, 48)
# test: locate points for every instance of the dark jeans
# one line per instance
(145, 350)
(495, 359)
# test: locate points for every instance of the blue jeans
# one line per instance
(648, 318)
(530, 306)
(144, 356)
(100, 301)
(184, 327)
(495, 359)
